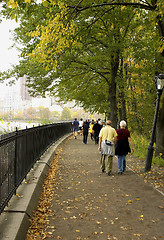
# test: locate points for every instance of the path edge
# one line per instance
(15, 220)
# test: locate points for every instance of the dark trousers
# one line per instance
(85, 136)
(92, 136)
(96, 137)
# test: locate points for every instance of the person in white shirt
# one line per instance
(81, 126)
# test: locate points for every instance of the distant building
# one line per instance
(12, 102)
(24, 89)
(1, 106)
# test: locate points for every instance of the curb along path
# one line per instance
(87, 204)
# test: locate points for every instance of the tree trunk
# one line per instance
(122, 108)
(122, 102)
(160, 131)
(112, 89)
(113, 104)
(160, 120)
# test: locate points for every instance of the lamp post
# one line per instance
(159, 80)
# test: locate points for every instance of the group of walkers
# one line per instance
(111, 142)
(86, 127)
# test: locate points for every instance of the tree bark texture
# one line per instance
(160, 130)
(112, 89)
(160, 120)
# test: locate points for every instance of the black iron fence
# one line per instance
(20, 150)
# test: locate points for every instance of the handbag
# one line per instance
(109, 143)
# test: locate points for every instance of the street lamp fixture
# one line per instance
(159, 80)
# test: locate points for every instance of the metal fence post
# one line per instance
(15, 160)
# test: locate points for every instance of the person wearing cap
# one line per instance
(107, 143)
(122, 146)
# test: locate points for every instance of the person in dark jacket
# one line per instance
(96, 129)
(75, 124)
(122, 146)
(85, 131)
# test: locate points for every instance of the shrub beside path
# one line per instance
(81, 203)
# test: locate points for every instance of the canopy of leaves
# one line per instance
(69, 48)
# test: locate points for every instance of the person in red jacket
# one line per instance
(122, 146)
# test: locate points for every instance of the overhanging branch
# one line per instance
(136, 5)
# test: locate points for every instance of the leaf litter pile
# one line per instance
(155, 177)
(86, 208)
(40, 228)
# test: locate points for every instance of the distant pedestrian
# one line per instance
(96, 129)
(99, 121)
(89, 121)
(107, 143)
(122, 146)
(81, 126)
(91, 130)
(75, 124)
(85, 131)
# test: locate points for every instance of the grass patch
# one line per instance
(140, 149)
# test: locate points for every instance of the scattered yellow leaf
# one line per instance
(137, 234)
(98, 222)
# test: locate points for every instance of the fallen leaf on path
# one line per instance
(138, 199)
(98, 222)
(124, 228)
(137, 234)
(161, 207)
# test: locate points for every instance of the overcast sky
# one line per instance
(7, 56)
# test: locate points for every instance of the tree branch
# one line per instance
(136, 5)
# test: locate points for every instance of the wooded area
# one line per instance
(102, 54)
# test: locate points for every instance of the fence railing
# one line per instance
(20, 150)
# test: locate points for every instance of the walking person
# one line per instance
(75, 124)
(122, 146)
(96, 128)
(91, 130)
(107, 143)
(81, 126)
(85, 131)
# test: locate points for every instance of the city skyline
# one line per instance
(8, 57)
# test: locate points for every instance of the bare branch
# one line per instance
(136, 5)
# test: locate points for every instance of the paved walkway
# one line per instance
(88, 204)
